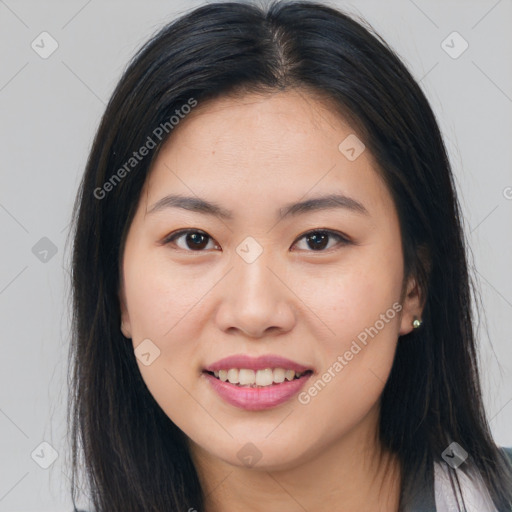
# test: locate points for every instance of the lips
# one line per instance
(245, 372)
(256, 363)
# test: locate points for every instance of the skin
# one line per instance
(252, 155)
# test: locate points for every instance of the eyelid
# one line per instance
(342, 238)
(180, 232)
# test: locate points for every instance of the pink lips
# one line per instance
(255, 399)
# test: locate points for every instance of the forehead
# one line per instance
(277, 119)
(284, 144)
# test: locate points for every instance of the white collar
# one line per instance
(476, 496)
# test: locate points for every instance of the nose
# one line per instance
(255, 299)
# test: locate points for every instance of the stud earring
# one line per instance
(416, 323)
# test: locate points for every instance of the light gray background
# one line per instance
(50, 109)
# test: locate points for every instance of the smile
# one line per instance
(256, 383)
(257, 379)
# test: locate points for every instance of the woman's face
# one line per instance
(318, 284)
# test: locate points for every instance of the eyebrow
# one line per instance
(196, 204)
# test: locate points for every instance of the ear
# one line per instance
(412, 306)
(126, 328)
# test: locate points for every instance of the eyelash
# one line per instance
(342, 240)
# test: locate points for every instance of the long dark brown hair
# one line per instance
(133, 456)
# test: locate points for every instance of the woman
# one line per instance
(272, 305)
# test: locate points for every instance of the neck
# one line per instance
(351, 473)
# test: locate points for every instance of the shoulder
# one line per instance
(507, 451)
(473, 488)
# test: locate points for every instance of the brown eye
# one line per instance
(319, 240)
(192, 239)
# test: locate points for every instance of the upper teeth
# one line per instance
(260, 378)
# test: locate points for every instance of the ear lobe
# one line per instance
(415, 297)
(126, 330)
(125, 317)
(412, 307)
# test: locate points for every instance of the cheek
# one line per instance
(160, 296)
(361, 308)
(162, 303)
(354, 296)
(360, 305)
(166, 304)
